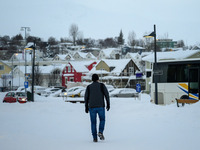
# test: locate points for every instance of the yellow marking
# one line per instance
(184, 85)
(192, 96)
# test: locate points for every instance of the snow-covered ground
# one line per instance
(131, 124)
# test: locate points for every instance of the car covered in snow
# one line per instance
(123, 92)
(49, 91)
(75, 91)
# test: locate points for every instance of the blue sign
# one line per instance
(138, 87)
(139, 75)
(26, 84)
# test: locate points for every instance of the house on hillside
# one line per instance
(58, 57)
(66, 57)
(109, 53)
(172, 55)
(83, 56)
(119, 73)
(94, 51)
(75, 70)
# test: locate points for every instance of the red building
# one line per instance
(74, 71)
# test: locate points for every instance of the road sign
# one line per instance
(138, 87)
(27, 75)
(26, 84)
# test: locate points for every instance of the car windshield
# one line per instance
(20, 94)
(10, 94)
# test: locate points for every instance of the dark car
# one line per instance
(10, 98)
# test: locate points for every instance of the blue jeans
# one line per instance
(93, 117)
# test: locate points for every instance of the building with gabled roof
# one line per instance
(83, 56)
(75, 70)
(109, 53)
(119, 73)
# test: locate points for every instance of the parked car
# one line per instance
(123, 92)
(39, 89)
(21, 97)
(10, 98)
(109, 87)
(75, 91)
(49, 91)
(21, 88)
(59, 93)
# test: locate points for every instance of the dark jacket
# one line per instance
(94, 95)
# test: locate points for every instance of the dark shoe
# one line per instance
(101, 136)
(95, 140)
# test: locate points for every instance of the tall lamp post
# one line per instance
(32, 47)
(25, 29)
(153, 34)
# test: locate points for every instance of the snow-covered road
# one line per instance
(131, 124)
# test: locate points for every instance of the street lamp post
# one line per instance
(12, 72)
(153, 34)
(32, 47)
(33, 71)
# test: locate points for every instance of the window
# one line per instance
(177, 73)
(1, 67)
(71, 79)
(131, 70)
(69, 68)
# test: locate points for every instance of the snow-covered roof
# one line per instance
(108, 51)
(81, 66)
(83, 55)
(92, 56)
(71, 57)
(62, 57)
(133, 55)
(118, 66)
(181, 54)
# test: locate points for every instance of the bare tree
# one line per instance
(73, 32)
(55, 78)
(180, 43)
(132, 38)
(38, 80)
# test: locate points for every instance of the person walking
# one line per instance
(95, 104)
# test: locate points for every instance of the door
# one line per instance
(193, 84)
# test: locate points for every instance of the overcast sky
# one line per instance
(179, 19)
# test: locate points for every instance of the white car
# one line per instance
(49, 91)
(109, 87)
(123, 92)
(75, 91)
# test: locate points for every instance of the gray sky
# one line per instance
(179, 19)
